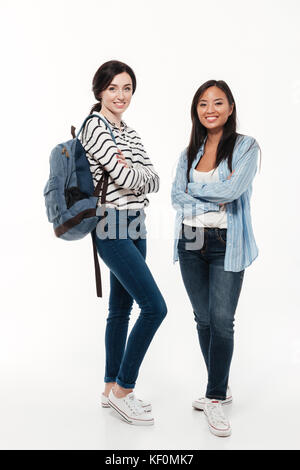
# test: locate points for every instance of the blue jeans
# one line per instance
(130, 279)
(214, 295)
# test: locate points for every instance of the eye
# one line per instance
(219, 103)
(111, 88)
(128, 88)
(202, 104)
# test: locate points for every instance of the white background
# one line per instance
(52, 324)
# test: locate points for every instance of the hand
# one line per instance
(121, 158)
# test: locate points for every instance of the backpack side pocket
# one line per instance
(51, 199)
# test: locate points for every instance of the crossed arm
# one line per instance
(187, 203)
(241, 178)
(98, 142)
(153, 183)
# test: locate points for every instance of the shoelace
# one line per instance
(216, 413)
(134, 405)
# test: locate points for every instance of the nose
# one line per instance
(120, 94)
(211, 108)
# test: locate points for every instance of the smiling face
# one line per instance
(213, 108)
(117, 96)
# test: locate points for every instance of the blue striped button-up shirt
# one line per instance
(241, 248)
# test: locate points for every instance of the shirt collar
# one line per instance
(200, 151)
(203, 143)
(197, 158)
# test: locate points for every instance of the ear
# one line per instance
(231, 109)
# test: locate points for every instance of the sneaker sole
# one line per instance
(147, 408)
(219, 433)
(200, 407)
(130, 420)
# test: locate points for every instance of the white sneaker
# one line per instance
(200, 402)
(146, 405)
(217, 421)
(130, 409)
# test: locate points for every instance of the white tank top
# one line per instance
(209, 219)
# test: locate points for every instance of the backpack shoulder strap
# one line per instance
(101, 119)
(102, 182)
(97, 266)
(100, 187)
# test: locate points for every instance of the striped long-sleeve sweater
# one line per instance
(127, 186)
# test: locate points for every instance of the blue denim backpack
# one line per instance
(70, 196)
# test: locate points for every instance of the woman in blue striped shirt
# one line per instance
(214, 240)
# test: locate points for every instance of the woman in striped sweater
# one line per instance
(131, 176)
(214, 240)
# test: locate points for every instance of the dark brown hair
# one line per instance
(199, 132)
(104, 76)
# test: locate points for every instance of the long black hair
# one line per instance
(199, 132)
(104, 76)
